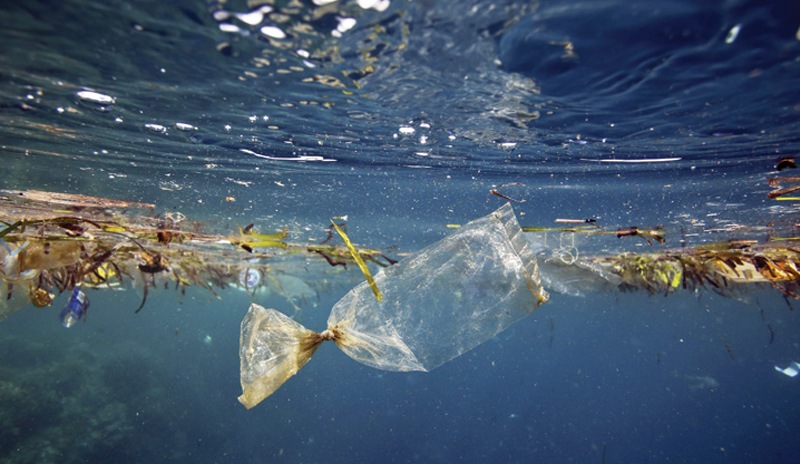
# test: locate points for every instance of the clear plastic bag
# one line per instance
(272, 348)
(437, 304)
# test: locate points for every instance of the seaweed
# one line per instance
(360, 262)
(53, 242)
(724, 271)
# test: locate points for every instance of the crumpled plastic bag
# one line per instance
(437, 304)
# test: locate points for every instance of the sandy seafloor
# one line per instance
(650, 113)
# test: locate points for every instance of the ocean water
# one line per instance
(404, 116)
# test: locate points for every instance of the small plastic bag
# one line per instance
(272, 348)
(437, 304)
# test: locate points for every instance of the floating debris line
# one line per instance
(52, 243)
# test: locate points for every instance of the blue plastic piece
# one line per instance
(76, 308)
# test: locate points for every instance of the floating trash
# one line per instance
(98, 101)
(52, 243)
(791, 371)
(249, 278)
(437, 304)
(273, 32)
(157, 128)
(733, 33)
(184, 127)
(95, 97)
(75, 309)
(377, 5)
(228, 27)
(345, 24)
(252, 18)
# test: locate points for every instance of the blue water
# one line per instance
(551, 95)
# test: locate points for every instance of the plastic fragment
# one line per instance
(792, 370)
(95, 97)
(75, 309)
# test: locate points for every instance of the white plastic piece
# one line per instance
(791, 371)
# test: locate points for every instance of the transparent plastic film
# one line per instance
(445, 299)
(437, 304)
(272, 348)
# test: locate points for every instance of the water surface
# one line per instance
(403, 116)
